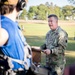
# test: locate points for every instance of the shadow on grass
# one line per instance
(71, 44)
(35, 40)
(70, 60)
(39, 40)
(71, 38)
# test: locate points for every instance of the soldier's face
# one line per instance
(53, 23)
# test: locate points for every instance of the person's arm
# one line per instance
(3, 36)
(62, 43)
(41, 48)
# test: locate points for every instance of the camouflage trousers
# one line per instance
(57, 70)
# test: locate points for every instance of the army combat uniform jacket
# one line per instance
(56, 41)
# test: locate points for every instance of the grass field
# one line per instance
(35, 34)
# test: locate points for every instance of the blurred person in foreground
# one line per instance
(13, 46)
(54, 46)
(69, 70)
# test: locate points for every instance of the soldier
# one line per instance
(14, 60)
(55, 44)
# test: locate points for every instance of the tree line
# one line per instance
(42, 11)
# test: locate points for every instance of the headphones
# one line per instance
(21, 4)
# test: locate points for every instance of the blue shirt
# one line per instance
(14, 47)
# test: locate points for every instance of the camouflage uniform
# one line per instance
(56, 41)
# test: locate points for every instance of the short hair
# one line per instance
(6, 9)
(7, 6)
(53, 15)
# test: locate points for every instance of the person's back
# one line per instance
(12, 42)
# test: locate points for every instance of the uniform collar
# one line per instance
(56, 29)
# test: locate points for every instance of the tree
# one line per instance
(30, 15)
(47, 4)
(72, 1)
(57, 11)
(23, 14)
(67, 10)
(42, 12)
(32, 12)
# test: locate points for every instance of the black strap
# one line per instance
(3, 61)
(1, 51)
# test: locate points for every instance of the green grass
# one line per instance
(71, 45)
(35, 35)
(41, 29)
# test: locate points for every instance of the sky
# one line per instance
(38, 2)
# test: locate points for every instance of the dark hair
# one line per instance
(5, 9)
(53, 15)
(8, 8)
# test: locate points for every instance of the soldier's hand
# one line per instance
(47, 51)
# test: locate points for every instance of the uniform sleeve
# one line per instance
(62, 43)
(42, 47)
